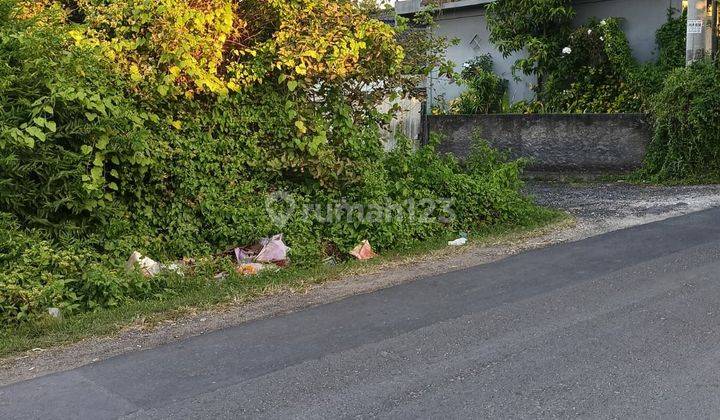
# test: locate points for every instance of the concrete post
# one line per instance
(714, 36)
(697, 31)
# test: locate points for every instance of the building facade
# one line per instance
(465, 20)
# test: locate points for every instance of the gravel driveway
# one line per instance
(602, 207)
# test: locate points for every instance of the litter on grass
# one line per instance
(363, 251)
(250, 260)
(274, 251)
(458, 242)
(148, 267)
(249, 269)
(55, 313)
(151, 268)
(243, 255)
(175, 268)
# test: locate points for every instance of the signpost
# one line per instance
(697, 16)
(702, 30)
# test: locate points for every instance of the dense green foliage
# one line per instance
(686, 140)
(594, 76)
(586, 69)
(671, 41)
(486, 92)
(537, 27)
(122, 131)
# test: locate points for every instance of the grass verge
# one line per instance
(202, 294)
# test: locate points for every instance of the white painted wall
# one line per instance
(470, 27)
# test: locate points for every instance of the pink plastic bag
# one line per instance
(274, 250)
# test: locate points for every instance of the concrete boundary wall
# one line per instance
(554, 142)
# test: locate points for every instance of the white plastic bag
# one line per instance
(274, 250)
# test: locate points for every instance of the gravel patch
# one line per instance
(604, 207)
(597, 207)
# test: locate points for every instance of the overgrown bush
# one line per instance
(686, 143)
(588, 69)
(37, 274)
(671, 41)
(538, 27)
(594, 72)
(169, 128)
(486, 92)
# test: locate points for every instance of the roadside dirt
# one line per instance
(597, 208)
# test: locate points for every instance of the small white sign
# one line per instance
(694, 26)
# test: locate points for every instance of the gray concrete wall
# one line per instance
(557, 143)
(466, 21)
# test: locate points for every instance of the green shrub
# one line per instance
(486, 92)
(671, 41)
(686, 144)
(97, 162)
(38, 274)
(594, 73)
(68, 133)
(590, 69)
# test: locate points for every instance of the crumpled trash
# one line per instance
(175, 268)
(249, 269)
(148, 266)
(330, 261)
(363, 251)
(55, 313)
(458, 242)
(243, 255)
(274, 251)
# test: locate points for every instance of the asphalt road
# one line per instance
(625, 324)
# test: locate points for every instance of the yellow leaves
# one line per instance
(163, 41)
(302, 129)
(199, 21)
(76, 35)
(301, 69)
(330, 40)
(312, 54)
(233, 86)
(135, 73)
(221, 46)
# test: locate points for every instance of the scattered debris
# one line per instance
(55, 313)
(149, 267)
(243, 255)
(250, 260)
(330, 261)
(274, 251)
(175, 268)
(458, 242)
(363, 251)
(249, 269)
